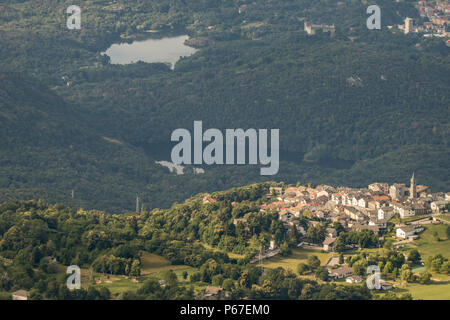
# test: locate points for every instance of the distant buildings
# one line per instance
(311, 29)
(211, 293)
(242, 8)
(208, 199)
(20, 295)
(329, 243)
(438, 206)
(354, 279)
(397, 191)
(340, 273)
(386, 213)
(437, 14)
(385, 285)
(408, 232)
(356, 209)
(408, 25)
(379, 187)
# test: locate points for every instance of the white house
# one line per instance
(363, 202)
(438, 206)
(385, 213)
(408, 231)
(328, 244)
(273, 245)
(404, 210)
(354, 200)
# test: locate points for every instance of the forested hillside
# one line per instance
(37, 240)
(361, 106)
(213, 241)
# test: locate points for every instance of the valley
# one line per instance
(257, 68)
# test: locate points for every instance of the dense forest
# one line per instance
(353, 108)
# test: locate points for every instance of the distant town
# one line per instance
(396, 212)
(359, 209)
(437, 14)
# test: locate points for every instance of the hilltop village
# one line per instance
(435, 16)
(383, 225)
(358, 209)
(438, 14)
(434, 21)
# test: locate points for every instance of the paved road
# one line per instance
(442, 220)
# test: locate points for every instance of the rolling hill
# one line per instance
(352, 109)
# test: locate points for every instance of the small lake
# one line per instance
(165, 50)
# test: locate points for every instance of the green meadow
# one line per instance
(428, 245)
(297, 256)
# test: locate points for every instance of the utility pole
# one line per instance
(260, 258)
(137, 205)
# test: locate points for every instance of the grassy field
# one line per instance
(428, 245)
(445, 217)
(198, 286)
(430, 292)
(298, 256)
(178, 272)
(152, 267)
(434, 291)
(230, 254)
(152, 263)
(118, 284)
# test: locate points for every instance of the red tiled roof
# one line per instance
(386, 198)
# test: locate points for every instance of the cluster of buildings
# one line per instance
(311, 28)
(211, 293)
(346, 272)
(437, 14)
(356, 209)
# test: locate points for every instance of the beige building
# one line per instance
(397, 191)
(20, 295)
(379, 187)
(311, 28)
(408, 25)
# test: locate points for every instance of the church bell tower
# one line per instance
(412, 188)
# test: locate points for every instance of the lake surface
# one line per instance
(165, 50)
